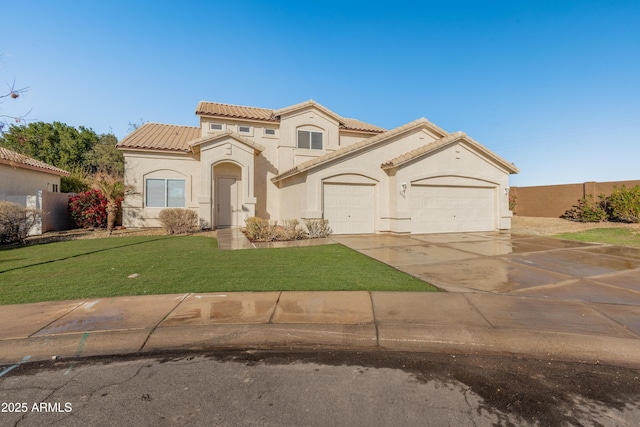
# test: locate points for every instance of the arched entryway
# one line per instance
(227, 195)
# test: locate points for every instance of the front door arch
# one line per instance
(227, 197)
(226, 201)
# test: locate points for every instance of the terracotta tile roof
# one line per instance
(449, 139)
(354, 124)
(212, 137)
(235, 111)
(263, 114)
(9, 157)
(157, 136)
(420, 123)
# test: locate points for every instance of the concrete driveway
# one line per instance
(511, 264)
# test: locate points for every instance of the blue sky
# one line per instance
(552, 86)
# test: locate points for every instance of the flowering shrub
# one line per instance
(89, 209)
(513, 200)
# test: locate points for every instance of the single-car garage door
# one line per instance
(445, 209)
(349, 208)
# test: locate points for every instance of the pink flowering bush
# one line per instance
(89, 209)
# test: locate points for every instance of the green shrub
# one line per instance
(317, 228)
(624, 204)
(74, 183)
(15, 222)
(588, 210)
(179, 221)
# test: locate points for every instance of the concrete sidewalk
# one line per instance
(424, 322)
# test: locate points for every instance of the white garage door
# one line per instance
(349, 208)
(437, 209)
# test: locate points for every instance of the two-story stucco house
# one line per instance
(306, 161)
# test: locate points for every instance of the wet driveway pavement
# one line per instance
(511, 264)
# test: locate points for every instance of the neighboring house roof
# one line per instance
(218, 135)
(214, 109)
(9, 157)
(362, 145)
(449, 139)
(158, 136)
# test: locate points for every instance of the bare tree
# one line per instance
(11, 94)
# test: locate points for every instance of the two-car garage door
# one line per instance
(447, 209)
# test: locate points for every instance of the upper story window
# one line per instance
(270, 132)
(310, 139)
(216, 126)
(244, 129)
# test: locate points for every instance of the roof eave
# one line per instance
(196, 143)
(34, 168)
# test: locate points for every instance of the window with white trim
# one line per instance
(165, 193)
(216, 126)
(269, 132)
(309, 139)
(244, 129)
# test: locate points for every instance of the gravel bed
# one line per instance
(550, 226)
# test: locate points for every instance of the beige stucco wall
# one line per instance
(457, 165)
(351, 138)
(142, 165)
(308, 118)
(301, 196)
(20, 181)
(266, 163)
(281, 153)
(365, 164)
(227, 157)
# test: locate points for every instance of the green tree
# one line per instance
(55, 143)
(104, 156)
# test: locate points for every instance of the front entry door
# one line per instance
(226, 201)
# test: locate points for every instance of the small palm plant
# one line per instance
(112, 188)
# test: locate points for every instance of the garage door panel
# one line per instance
(441, 209)
(349, 208)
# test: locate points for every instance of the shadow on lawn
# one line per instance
(80, 255)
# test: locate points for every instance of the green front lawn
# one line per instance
(613, 236)
(179, 264)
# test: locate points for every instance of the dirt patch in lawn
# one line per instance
(550, 226)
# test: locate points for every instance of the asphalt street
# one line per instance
(317, 389)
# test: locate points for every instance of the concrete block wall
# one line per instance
(554, 200)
